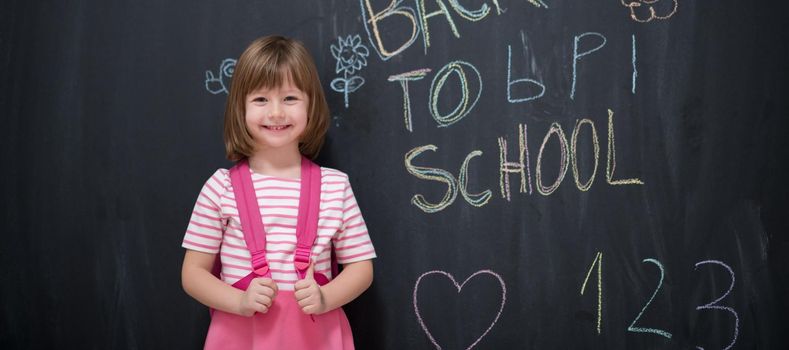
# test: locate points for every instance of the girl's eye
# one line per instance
(291, 98)
(259, 99)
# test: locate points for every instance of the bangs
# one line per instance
(276, 69)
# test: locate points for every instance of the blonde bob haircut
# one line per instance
(269, 62)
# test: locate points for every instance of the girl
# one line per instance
(276, 288)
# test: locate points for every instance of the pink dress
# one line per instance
(283, 327)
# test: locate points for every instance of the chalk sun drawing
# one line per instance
(459, 288)
(351, 56)
(220, 83)
(644, 11)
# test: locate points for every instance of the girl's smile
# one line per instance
(276, 127)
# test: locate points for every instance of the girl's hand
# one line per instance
(258, 297)
(308, 294)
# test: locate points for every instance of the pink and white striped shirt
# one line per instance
(215, 225)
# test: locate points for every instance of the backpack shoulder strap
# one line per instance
(249, 215)
(309, 211)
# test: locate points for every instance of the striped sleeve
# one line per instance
(352, 243)
(205, 229)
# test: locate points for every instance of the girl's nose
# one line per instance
(276, 110)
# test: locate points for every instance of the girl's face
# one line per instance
(277, 117)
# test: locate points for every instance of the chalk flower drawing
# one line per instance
(644, 10)
(220, 83)
(351, 56)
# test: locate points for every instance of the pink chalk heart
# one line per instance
(459, 288)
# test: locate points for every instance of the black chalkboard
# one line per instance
(534, 173)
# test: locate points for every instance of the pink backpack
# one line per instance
(255, 234)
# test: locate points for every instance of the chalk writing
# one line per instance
(459, 288)
(635, 71)
(430, 174)
(423, 16)
(611, 160)
(462, 69)
(643, 11)
(463, 108)
(499, 10)
(568, 154)
(351, 56)
(478, 199)
(472, 15)
(521, 166)
(713, 305)
(510, 82)
(563, 164)
(632, 327)
(577, 56)
(598, 260)
(538, 3)
(418, 20)
(403, 79)
(220, 83)
(574, 153)
(371, 18)
(444, 176)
